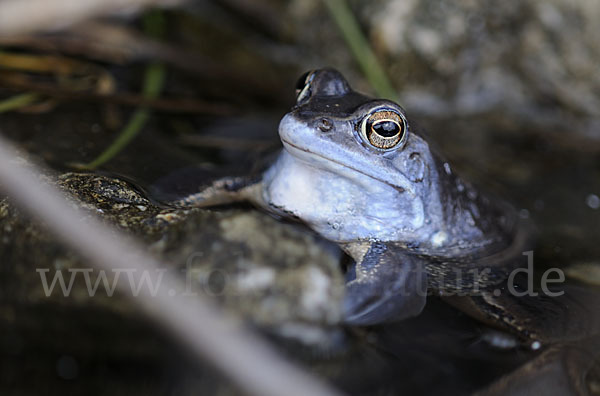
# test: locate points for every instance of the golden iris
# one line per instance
(384, 129)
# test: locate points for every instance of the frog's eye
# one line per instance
(384, 129)
(303, 90)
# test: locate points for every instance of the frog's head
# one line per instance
(342, 130)
(365, 140)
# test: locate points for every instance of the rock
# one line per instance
(534, 61)
(274, 275)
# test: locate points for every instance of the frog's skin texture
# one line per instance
(408, 221)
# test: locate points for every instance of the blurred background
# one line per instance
(129, 102)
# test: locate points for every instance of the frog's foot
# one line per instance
(564, 329)
(389, 286)
(560, 370)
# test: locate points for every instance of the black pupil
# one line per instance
(301, 81)
(386, 129)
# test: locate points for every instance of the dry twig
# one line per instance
(26, 16)
(243, 357)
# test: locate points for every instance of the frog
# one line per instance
(354, 170)
(357, 171)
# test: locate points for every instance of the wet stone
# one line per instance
(274, 275)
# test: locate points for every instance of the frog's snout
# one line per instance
(290, 129)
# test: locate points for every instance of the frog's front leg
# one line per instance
(224, 191)
(388, 285)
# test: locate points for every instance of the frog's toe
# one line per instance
(385, 299)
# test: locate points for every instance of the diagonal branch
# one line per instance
(243, 357)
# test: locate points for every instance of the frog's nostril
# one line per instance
(325, 125)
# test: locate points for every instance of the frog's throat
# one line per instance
(287, 145)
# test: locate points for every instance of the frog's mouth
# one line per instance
(304, 154)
